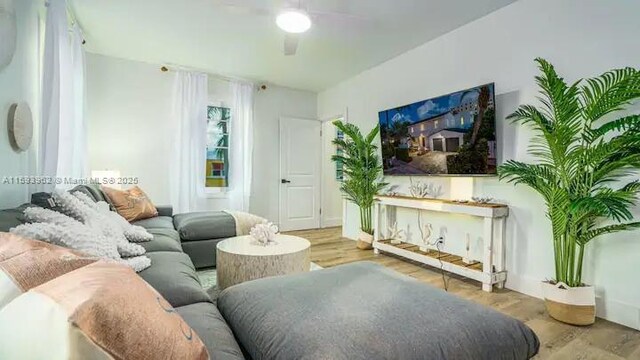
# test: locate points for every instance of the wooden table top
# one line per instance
(445, 201)
(247, 245)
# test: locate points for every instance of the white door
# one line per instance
(300, 153)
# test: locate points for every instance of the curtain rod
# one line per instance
(71, 18)
(172, 68)
(74, 21)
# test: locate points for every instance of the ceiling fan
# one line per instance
(293, 16)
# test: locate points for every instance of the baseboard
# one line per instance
(618, 312)
(331, 222)
(612, 310)
(525, 285)
(348, 234)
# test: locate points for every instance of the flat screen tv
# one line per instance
(449, 135)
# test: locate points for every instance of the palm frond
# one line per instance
(606, 203)
(529, 114)
(372, 135)
(632, 187)
(628, 123)
(609, 229)
(559, 99)
(539, 177)
(609, 92)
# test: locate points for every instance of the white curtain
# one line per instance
(80, 159)
(190, 98)
(63, 150)
(241, 143)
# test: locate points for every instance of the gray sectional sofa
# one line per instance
(354, 311)
(173, 274)
(198, 233)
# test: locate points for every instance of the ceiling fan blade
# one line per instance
(291, 44)
(235, 7)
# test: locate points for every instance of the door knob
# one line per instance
(285, 181)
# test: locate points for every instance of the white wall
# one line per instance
(20, 82)
(129, 115)
(582, 38)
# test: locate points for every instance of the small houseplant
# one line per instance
(584, 155)
(362, 169)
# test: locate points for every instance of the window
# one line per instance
(217, 169)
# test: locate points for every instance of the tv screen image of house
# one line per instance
(453, 134)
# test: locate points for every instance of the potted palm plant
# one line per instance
(585, 153)
(362, 169)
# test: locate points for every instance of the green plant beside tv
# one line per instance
(584, 155)
(362, 174)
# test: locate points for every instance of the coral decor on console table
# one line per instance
(492, 269)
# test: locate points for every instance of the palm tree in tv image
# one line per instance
(483, 105)
(396, 140)
(473, 155)
(399, 131)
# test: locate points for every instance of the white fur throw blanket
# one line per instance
(77, 209)
(59, 229)
(245, 221)
(133, 233)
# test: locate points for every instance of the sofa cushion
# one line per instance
(164, 210)
(173, 275)
(10, 218)
(45, 200)
(202, 252)
(204, 225)
(366, 311)
(133, 204)
(163, 240)
(93, 191)
(158, 222)
(206, 321)
(26, 263)
(100, 311)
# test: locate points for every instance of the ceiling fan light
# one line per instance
(293, 21)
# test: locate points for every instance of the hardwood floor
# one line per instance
(603, 340)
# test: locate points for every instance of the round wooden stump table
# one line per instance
(242, 258)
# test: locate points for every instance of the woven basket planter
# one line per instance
(571, 305)
(365, 241)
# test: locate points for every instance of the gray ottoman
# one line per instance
(200, 232)
(366, 311)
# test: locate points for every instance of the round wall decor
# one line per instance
(20, 126)
(8, 32)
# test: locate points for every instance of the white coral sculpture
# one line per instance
(467, 258)
(427, 230)
(395, 235)
(264, 233)
(419, 189)
(392, 191)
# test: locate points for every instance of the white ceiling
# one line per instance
(226, 40)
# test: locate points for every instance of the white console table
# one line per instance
(492, 269)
